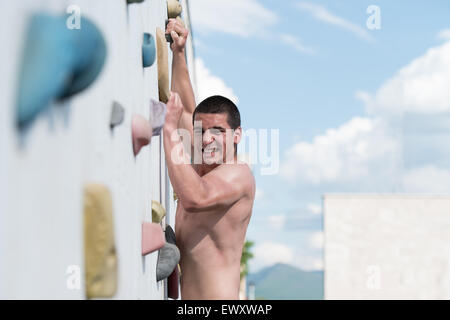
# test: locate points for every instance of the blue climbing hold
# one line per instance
(148, 50)
(57, 63)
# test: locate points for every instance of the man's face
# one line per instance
(213, 131)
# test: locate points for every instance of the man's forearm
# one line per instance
(181, 83)
(187, 184)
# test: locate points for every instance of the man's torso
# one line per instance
(211, 247)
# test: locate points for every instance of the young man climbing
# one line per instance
(215, 194)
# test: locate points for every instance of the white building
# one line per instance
(387, 246)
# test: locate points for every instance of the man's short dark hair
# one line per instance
(219, 104)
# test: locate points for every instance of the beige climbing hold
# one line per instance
(181, 21)
(158, 212)
(99, 249)
(173, 8)
(163, 66)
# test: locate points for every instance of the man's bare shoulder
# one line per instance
(238, 173)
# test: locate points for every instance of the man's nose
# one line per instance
(207, 138)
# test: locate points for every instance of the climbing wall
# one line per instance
(45, 168)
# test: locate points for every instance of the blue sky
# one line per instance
(358, 110)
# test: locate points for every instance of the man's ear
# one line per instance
(237, 135)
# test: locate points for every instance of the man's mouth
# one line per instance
(210, 151)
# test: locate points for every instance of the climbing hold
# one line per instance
(117, 114)
(152, 237)
(57, 63)
(170, 235)
(148, 50)
(173, 284)
(168, 258)
(158, 211)
(157, 116)
(163, 66)
(173, 8)
(141, 132)
(135, 1)
(99, 249)
(175, 196)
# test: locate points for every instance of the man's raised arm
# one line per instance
(181, 82)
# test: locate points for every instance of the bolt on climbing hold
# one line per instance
(158, 211)
(168, 258)
(173, 8)
(148, 50)
(57, 63)
(117, 114)
(99, 248)
(141, 133)
(163, 66)
(152, 238)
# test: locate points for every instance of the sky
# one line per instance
(361, 101)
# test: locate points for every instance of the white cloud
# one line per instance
(309, 262)
(238, 17)
(319, 12)
(208, 84)
(316, 240)
(277, 221)
(315, 208)
(444, 34)
(296, 44)
(423, 86)
(348, 153)
(368, 153)
(269, 253)
(429, 179)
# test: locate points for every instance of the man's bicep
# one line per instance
(185, 123)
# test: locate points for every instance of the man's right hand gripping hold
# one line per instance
(215, 196)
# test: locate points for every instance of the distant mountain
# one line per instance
(282, 281)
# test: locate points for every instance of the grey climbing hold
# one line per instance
(157, 116)
(117, 114)
(170, 235)
(168, 258)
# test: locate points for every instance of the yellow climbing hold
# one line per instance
(158, 212)
(163, 66)
(99, 248)
(173, 8)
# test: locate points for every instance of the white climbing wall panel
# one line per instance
(387, 246)
(43, 171)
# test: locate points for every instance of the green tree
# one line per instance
(246, 256)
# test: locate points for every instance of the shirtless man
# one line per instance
(215, 197)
